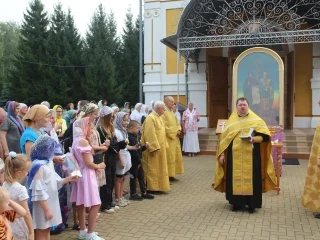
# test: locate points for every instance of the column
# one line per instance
(315, 86)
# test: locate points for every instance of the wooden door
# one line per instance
(289, 92)
(217, 80)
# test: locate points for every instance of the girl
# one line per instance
(85, 192)
(6, 215)
(43, 182)
(107, 133)
(16, 169)
(121, 123)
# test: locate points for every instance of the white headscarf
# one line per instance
(143, 111)
(191, 114)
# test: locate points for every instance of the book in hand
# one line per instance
(249, 135)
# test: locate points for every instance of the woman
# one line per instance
(60, 120)
(115, 110)
(107, 134)
(126, 108)
(35, 119)
(190, 121)
(136, 114)
(102, 103)
(70, 116)
(23, 110)
(11, 130)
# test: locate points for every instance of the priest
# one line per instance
(173, 130)
(244, 168)
(154, 160)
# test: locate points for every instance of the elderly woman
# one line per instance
(136, 115)
(11, 130)
(190, 121)
(23, 110)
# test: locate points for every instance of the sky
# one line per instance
(82, 10)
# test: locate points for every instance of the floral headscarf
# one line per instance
(81, 128)
(42, 152)
(86, 109)
(14, 117)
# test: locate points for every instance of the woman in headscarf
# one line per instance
(60, 120)
(11, 130)
(23, 110)
(43, 186)
(70, 116)
(70, 106)
(107, 134)
(35, 119)
(85, 192)
(115, 110)
(126, 108)
(190, 121)
(136, 115)
(102, 103)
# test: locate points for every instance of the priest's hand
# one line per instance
(222, 159)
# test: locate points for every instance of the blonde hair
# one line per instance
(12, 165)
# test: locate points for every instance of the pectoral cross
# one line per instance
(222, 125)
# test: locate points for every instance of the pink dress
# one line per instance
(85, 191)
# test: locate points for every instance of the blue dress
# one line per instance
(28, 135)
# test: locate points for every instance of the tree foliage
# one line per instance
(46, 58)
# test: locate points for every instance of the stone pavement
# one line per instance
(192, 210)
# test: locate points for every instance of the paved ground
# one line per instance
(192, 210)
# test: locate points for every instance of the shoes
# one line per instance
(125, 192)
(110, 210)
(119, 202)
(251, 210)
(235, 208)
(147, 196)
(84, 237)
(125, 200)
(189, 154)
(316, 215)
(93, 236)
(192, 155)
(76, 227)
(115, 207)
(173, 179)
(135, 197)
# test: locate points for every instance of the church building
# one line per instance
(211, 52)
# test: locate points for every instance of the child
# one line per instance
(136, 170)
(85, 192)
(121, 122)
(16, 169)
(8, 215)
(43, 182)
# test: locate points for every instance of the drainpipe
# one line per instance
(186, 79)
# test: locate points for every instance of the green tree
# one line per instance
(28, 82)
(101, 76)
(130, 59)
(9, 39)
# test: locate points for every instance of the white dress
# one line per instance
(124, 154)
(44, 184)
(18, 193)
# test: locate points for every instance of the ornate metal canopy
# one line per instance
(228, 23)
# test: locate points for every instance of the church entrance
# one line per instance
(219, 81)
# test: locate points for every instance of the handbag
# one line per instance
(98, 157)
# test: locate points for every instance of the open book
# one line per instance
(249, 136)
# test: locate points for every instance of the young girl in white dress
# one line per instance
(43, 182)
(16, 169)
(124, 165)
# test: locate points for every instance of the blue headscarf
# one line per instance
(42, 152)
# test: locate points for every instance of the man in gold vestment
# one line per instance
(311, 193)
(154, 160)
(173, 130)
(244, 167)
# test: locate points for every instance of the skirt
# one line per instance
(191, 142)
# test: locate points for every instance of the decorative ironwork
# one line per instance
(271, 38)
(222, 17)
